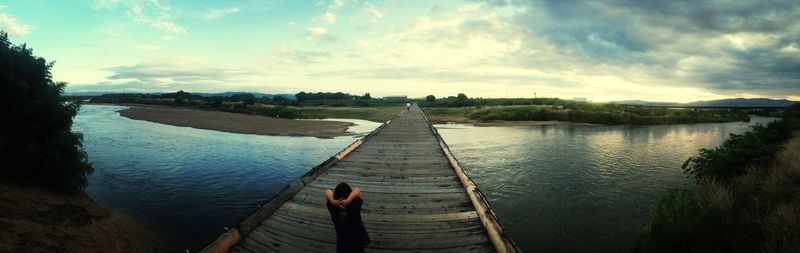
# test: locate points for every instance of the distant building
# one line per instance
(401, 97)
(579, 99)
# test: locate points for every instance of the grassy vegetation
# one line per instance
(582, 112)
(36, 144)
(344, 106)
(747, 198)
(377, 114)
(451, 109)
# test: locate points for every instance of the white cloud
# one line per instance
(329, 17)
(100, 4)
(316, 32)
(153, 13)
(12, 25)
(373, 10)
(168, 26)
(336, 4)
(147, 47)
(217, 13)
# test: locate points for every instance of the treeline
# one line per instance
(182, 98)
(303, 96)
(747, 197)
(544, 109)
(242, 101)
(462, 100)
(582, 112)
(37, 145)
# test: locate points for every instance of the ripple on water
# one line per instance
(190, 182)
(579, 188)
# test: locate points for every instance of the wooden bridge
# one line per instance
(416, 198)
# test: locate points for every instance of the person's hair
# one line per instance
(342, 191)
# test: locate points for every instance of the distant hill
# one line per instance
(642, 102)
(256, 94)
(731, 102)
(745, 102)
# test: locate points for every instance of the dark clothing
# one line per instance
(350, 233)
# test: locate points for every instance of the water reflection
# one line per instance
(190, 182)
(579, 188)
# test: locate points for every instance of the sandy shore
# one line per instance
(236, 122)
(36, 220)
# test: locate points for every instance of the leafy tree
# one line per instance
(461, 97)
(246, 98)
(36, 144)
(430, 98)
(366, 96)
(216, 103)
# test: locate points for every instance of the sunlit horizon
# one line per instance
(602, 51)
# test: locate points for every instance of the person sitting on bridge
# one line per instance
(344, 204)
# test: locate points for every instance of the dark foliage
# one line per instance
(36, 144)
(430, 98)
(741, 151)
(746, 199)
(303, 96)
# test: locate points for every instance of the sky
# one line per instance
(610, 50)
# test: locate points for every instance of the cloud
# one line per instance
(336, 4)
(100, 4)
(329, 17)
(153, 13)
(147, 47)
(302, 57)
(373, 11)
(174, 70)
(726, 48)
(166, 74)
(12, 25)
(217, 13)
(316, 32)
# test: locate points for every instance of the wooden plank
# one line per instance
(414, 200)
(383, 227)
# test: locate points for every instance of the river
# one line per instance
(575, 188)
(555, 188)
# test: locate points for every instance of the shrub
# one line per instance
(741, 151)
(746, 201)
(36, 144)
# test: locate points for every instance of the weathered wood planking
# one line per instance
(416, 198)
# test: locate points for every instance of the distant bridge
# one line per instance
(416, 198)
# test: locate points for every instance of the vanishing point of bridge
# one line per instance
(416, 198)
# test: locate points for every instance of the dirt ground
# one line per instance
(36, 220)
(236, 122)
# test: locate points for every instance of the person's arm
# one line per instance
(329, 196)
(353, 195)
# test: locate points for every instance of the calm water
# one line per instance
(187, 182)
(555, 188)
(579, 188)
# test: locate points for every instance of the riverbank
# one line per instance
(36, 220)
(235, 122)
(745, 199)
(607, 114)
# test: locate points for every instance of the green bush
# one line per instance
(741, 151)
(36, 144)
(746, 199)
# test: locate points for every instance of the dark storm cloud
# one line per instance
(660, 34)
